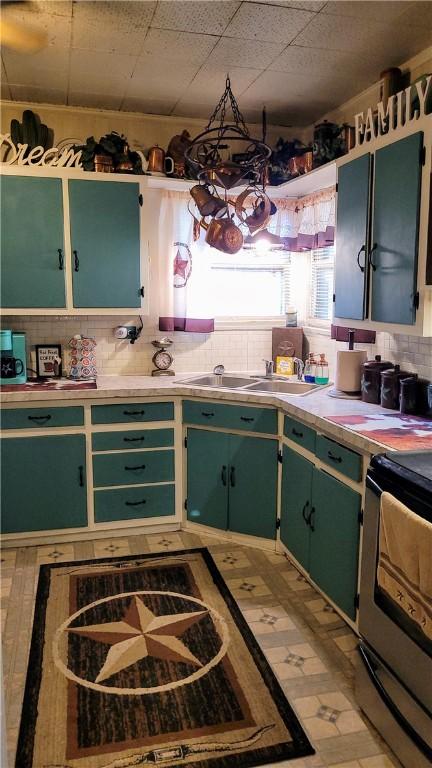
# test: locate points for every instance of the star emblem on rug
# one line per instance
(140, 634)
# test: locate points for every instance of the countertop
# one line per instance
(315, 409)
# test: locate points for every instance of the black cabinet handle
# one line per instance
(374, 247)
(232, 477)
(363, 248)
(141, 291)
(135, 503)
(132, 469)
(76, 261)
(331, 456)
(296, 432)
(133, 413)
(60, 258)
(133, 439)
(40, 418)
(304, 515)
(310, 519)
(207, 414)
(224, 475)
(247, 418)
(81, 475)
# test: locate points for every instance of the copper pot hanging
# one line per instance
(260, 216)
(208, 204)
(223, 235)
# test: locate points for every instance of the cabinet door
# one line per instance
(334, 540)
(207, 478)
(296, 505)
(105, 236)
(43, 483)
(351, 239)
(252, 486)
(395, 230)
(31, 236)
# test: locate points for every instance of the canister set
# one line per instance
(385, 384)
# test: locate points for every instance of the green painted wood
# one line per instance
(105, 233)
(134, 503)
(31, 234)
(42, 418)
(334, 543)
(42, 487)
(300, 433)
(395, 230)
(132, 468)
(252, 494)
(130, 413)
(207, 495)
(132, 439)
(352, 238)
(296, 504)
(347, 462)
(230, 416)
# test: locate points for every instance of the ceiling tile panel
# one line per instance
(210, 17)
(57, 27)
(303, 5)
(230, 52)
(312, 61)
(270, 23)
(111, 26)
(148, 106)
(178, 46)
(153, 79)
(38, 95)
(384, 10)
(209, 84)
(278, 88)
(100, 72)
(59, 7)
(47, 68)
(339, 33)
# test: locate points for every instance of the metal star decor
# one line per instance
(140, 634)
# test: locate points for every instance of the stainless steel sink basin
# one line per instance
(225, 382)
(284, 387)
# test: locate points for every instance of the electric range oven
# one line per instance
(394, 666)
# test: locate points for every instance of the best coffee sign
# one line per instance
(395, 114)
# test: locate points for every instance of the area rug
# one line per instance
(147, 659)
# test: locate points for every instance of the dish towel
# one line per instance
(405, 560)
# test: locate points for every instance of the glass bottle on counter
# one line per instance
(322, 370)
(309, 370)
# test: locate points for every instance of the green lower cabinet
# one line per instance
(207, 478)
(252, 492)
(296, 506)
(43, 483)
(334, 542)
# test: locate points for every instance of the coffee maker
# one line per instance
(12, 358)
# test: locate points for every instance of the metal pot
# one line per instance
(157, 162)
(208, 204)
(223, 235)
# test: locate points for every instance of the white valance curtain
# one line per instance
(306, 223)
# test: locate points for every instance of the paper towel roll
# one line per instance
(348, 369)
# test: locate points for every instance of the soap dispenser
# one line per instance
(322, 370)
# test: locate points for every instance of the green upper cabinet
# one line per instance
(105, 242)
(43, 483)
(352, 239)
(296, 504)
(32, 243)
(334, 542)
(207, 477)
(252, 495)
(395, 226)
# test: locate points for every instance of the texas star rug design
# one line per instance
(146, 659)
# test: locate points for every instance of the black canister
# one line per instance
(390, 387)
(408, 397)
(370, 379)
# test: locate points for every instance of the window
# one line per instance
(321, 300)
(249, 284)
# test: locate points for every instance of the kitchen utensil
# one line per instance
(261, 209)
(371, 379)
(158, 163)
(348, 367)
(223, 235)
(390, 386)
(225, 175)
(208, 204)
(123, 162)
(162, 359)
(408, 397)
(301, 163)
(11, 367)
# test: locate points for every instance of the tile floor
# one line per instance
(309, 647)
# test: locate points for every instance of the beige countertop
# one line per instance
(314, 408)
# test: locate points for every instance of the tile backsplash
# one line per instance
(235, 349)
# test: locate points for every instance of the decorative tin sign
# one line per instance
(51, 158)
(48, 361)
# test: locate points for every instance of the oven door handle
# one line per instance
(388, 701)
(373, 485)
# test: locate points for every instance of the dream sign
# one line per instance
(20, 155)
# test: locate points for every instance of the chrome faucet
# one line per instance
(269, 368)
(219, 370)
(298, 367)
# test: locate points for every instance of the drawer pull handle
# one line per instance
(133, 439)
(232, 477)
(133, 413)
(310, 519)
(334, 458)
(296, 432)
(207, 414)
(132, 469)
(40, 418)
(247, 418)
(81, 476)
(135, 503)
(224, 475)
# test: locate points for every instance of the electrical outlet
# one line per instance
(121, 332)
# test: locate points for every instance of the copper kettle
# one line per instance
(223, 235)
(157, 161)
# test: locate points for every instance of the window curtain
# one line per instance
(307, 223)
(184, 270)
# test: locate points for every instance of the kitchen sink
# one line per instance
(211, 380)
(284, 387)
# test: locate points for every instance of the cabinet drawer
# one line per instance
(345, 461)
(132, 412)
(122, 441)
(300, 433)
(29, 418)
(133, 503)
(133, 469)
(230, 416)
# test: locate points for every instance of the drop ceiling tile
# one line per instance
(417, 15)
(160, 80)
(230, 52)
(339, 33)
(94, 100)
(378, 10)
(305, 5)
(39, 95)
(208, 85)
(90, 69)
(271, 23)
(111, 26)
(312, 61)
(47, 68)
(401, 43)
(184, 47)
(195, 15)
(58, 7)
(148, 106)
(280, 89)
(58, 28)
